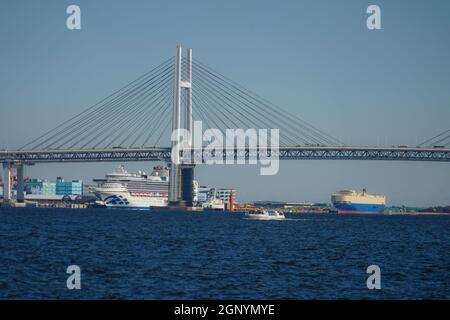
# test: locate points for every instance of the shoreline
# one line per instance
(302, 212)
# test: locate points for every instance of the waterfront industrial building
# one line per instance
(74, 187)
(204, 193)
(42, 188)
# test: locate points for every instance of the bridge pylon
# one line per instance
(8, 167)
(181, 176)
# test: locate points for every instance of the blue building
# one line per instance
(39, 186)
(74, 187)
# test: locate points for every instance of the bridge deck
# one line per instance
(284, 153)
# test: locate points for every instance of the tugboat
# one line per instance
(266, 215)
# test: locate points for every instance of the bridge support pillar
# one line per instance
(20, 187)
(7, 167)
(187, 181)
(174, 184)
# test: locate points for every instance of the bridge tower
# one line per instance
(181, 175)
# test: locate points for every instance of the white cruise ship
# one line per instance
(122, 189)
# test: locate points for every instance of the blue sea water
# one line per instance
(125, 254)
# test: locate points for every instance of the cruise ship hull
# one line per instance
(124, 200)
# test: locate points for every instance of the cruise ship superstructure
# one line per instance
(121, 189)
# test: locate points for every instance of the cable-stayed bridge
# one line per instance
(135, 123)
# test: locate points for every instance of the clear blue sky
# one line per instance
(314, 58)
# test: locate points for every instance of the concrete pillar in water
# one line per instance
(7, 181)
(20, 187)
(187, 180)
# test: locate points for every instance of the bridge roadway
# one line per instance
(284, 153)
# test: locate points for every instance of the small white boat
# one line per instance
(266, 215)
